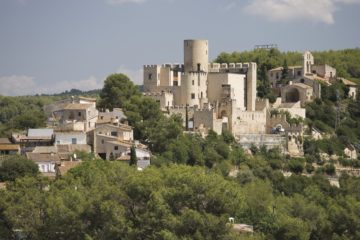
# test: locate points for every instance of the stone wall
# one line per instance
(268, 140)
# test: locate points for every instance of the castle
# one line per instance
(220, 97)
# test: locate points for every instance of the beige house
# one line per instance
(115, 116)
(308, 74)
(295, 92)
(353, 88)
(350, 152)
(45, 161)
(77, 117)
(275, 74)
(111, 139)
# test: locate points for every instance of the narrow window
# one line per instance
(79, 114)
(150, 76)
(193, 96)
(193, 82)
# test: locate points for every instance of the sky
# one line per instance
(49, 46)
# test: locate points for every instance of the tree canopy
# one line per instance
(17, 166)
(118, 88)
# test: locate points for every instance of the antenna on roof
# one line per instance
(266, 46)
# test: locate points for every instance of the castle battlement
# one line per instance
(218, 66)
(165, 65)
(197, 73)
(151, 66)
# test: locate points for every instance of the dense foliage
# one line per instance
(13, 167)
(117, 89)
(109, 200)
(20, 113)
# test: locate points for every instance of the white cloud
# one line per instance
(90, 83)
(283, 10)
(135, 75)
(17, 85)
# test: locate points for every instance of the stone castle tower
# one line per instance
(194, 82)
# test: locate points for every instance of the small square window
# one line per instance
(116, 148)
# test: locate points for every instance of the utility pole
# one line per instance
(337, 120)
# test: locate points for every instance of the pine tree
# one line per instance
(133, 158)
(285, 72)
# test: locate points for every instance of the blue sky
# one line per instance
(49, 46)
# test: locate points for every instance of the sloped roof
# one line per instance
(40, 132)
(87, 99)
(42, 157)
(5, 141)
(45, 149)
(65, 166)
(70, 148)
(121, 143)
(9, 147)
(348, 82)
(120, 126)
(281, 68)
(77, 106)
(302, 85)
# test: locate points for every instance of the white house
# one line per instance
(70, 137)
(45, 161)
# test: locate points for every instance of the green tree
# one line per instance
(285, 72)
(133, 158)
(296, 165)
(118, 88)
(17, 166)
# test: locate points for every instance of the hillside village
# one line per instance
(208, 97)
(75, 125)
(204, 150)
